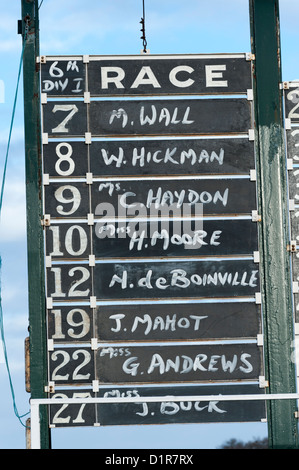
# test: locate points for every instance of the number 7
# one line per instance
(64, 107)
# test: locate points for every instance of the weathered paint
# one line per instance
(36, 284)
(274, 237)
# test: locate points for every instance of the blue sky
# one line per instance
(111, 27)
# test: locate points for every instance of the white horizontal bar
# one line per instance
(149, 57)
(36, 402)
(247, 397)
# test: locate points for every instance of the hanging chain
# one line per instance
(143, 37)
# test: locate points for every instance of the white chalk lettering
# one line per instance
(179, 278)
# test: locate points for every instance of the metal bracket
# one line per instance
(94, 344)
(250, 94)
(258, 298)
(250, 56)
(292, 246)
(88, 137)
(88, 178)
(46, 179)
(45, 138)
(287, 124)
(50, 388)
(95, 386)
(43, 98)
(290, 165)
(46, 221)
(251, 135)
(90, 219)
(263, 383)
(93, 302)
(256, 256)
(86, 97)
(255, 216)
(260, 340)
(252, 175)
(291, 204)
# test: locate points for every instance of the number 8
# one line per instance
(64, 158)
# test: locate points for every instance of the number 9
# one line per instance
(75, 199)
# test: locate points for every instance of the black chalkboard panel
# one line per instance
(65, 118)
(70, 324)
(147, 197)
(67, 199)
(147, 117)
(169, 412)
(65, 159)
(168, 117)
(293, 176)
(178, 279)
(179, 363)
(149, 157)
(181, 412)
(171, 157)
(73, 414)
(68, 241)
(177, 321)
(156, 75)
(69, 282)
(180, 238)
(63, 77)
(292, 103)
(71, 365)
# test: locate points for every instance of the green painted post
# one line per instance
(35, 246)
(273, 230)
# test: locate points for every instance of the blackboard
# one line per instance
(71, 365)
(181, 238)
(67, 200)
(156, 364)
(146, 75)
(149, 157)
(177, 279)
(70, 324)
(171, 157)
(293, 177)
(168, 117)
(181, 412)
(177, 321)
(72, 415)
(146, 198)
(292, 103)
(63, 77)
(151, 198)
(178, 363)
(149, 117)
(165, 75)
(153, 279)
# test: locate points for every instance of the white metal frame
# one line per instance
(36, 402)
